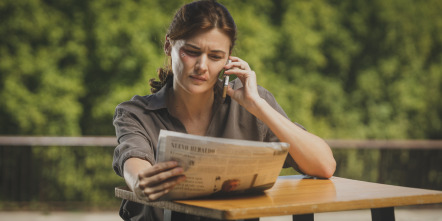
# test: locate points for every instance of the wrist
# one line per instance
(257, 106)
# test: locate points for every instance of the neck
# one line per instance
(188, 107)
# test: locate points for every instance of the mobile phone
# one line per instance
(225, 81)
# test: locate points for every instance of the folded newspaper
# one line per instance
(220, 166)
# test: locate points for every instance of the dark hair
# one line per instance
(193, 18)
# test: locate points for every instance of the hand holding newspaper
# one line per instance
(220, 166)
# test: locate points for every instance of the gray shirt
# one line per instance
(138, 123)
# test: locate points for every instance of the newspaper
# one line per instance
(220, 166)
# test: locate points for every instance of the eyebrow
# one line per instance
(198, 48)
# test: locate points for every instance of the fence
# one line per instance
(111, 142)
(25, 177)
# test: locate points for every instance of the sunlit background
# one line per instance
(343, 69)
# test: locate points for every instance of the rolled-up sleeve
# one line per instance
(133, 141)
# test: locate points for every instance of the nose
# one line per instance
(202, 64)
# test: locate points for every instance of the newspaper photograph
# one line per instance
(220, 166)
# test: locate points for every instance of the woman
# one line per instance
(188, 98)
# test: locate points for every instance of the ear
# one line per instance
(167, 46)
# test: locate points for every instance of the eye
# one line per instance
(216, 57)
(192, 53)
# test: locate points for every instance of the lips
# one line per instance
(198, 77)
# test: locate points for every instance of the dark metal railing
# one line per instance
(112, 142)
(24, 177)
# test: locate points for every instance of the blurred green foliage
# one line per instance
(343, 69)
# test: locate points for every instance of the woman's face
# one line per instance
(197, 61)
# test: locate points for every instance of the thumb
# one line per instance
(230, 91)
(235, 94)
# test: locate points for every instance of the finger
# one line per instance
(231, 92)
(248, 79)
(146, 193)
(155, 196)
(158, 168)
(234, 59)
(239, 73)
(237, 63)
(242, 65)
(168, 184)
(160, 177)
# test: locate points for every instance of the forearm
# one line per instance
(311, 153)
(132, 167)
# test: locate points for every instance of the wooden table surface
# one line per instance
(297, 195)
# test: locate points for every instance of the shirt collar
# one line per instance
(158, 100)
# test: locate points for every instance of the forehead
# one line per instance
(213, 39)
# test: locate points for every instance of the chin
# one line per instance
(198, 90)
(195, 89)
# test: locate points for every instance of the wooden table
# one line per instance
(300, 197)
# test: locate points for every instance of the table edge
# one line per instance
(123, 192)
